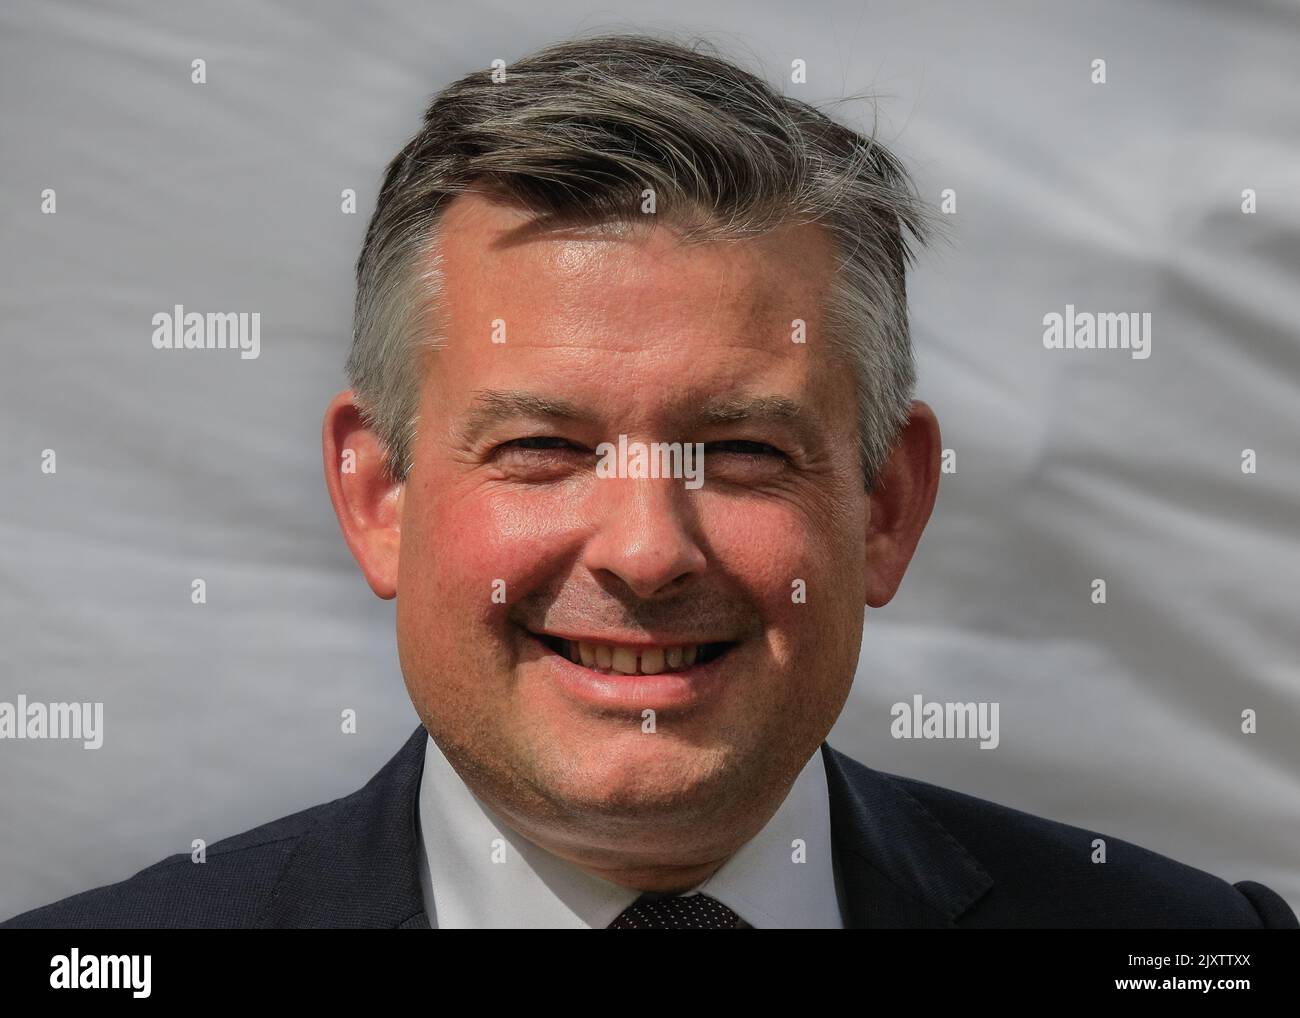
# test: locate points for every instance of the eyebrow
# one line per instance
(493, 407)
(745, 408)
(764, 409)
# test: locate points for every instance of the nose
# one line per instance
(646, 536)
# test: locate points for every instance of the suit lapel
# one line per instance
(900, 867)
(358, 866)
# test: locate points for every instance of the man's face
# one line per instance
(514, 553)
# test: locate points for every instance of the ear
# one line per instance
(901, 505)
(367, 503)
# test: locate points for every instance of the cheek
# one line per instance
(794, 570)
(480, 550)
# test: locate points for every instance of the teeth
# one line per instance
(629, 661)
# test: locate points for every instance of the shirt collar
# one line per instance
(477, 872)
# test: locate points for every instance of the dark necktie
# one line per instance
(678, 912)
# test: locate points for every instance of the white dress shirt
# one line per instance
(478, 873)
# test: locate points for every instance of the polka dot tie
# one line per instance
(678, 912)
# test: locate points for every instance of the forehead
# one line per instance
(623, 313)
(561, 282)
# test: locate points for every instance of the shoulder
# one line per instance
(228, 889)
(350, 862)
(1051, 874)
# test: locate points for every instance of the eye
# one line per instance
(538, 458)
(542, 443)
(744, 447)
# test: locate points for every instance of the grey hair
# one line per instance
(574, 133)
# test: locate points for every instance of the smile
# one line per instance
(626, 659)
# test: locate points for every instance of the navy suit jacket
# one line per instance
(911, 854)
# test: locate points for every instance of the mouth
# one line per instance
(605, 658)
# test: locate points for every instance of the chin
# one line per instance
(634, 774)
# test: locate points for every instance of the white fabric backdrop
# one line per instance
(1123, 718)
